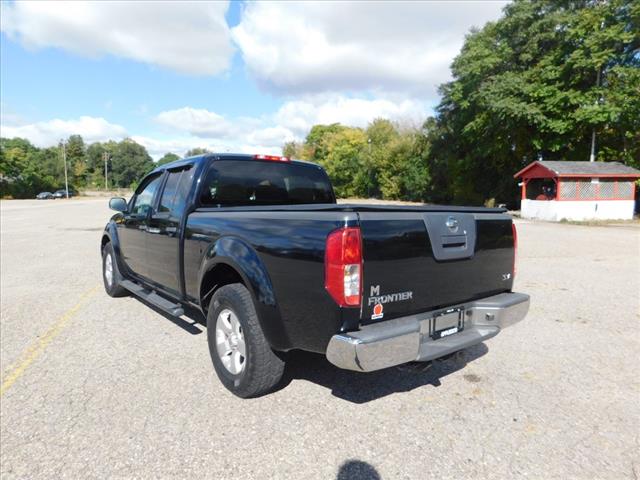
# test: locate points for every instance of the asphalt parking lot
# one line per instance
(100, 387)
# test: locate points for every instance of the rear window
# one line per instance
(254, 182)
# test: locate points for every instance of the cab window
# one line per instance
(175, 191)
(143, 200)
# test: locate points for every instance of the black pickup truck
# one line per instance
(260, 247)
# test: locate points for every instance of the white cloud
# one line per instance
(197, 121)
(211, 130)
(46, 134)
(301, 115)
(292, 121)
(306, 47)
(268, 133)
(272, 137)
(157, 147)
(188, 37)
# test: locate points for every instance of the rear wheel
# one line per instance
(110, 273)
(241, 355)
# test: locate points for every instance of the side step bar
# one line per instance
(153, 298)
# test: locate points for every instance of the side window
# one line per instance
(209, 194)
(184, 187)
(143, 201)
(169, 193)
(175, 191)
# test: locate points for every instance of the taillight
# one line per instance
(343, 266)
(515, 247)
(273, 158)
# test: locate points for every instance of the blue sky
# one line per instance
(226, 76)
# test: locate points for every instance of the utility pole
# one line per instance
(369, 162)
(592, 157)
(64, 159)
(105, 156)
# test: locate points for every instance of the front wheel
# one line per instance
(111, 274)
(241, 355)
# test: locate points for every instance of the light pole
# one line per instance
(105, 156)
(592, 156)
(369, 162)
(64, 159)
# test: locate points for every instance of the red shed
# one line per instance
(555, 190)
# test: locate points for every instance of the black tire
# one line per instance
(112, 288)
(262, 368)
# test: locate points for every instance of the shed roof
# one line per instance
(579, 169)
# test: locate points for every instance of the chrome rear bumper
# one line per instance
(407, 339)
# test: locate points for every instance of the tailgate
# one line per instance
(418, 261)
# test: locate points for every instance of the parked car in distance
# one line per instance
(44, 196)
(62, 194)
(260, 247)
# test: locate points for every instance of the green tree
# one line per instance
(410, 169)
(318, 140)
(15, 152)
(130, 162)
(76, 160)
(438, 161)
(536, 84)
(20, 172)
(48, 163)
(381, 133)
(95, 162)
(168, 158)
(383, 161)
(295, 150)
(343, 149)
(400, 158)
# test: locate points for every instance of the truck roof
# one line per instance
(223, 156)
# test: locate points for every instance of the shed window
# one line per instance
(625, 190)
(607, 189)
(602, 189)
(567, 190)
(587, 189)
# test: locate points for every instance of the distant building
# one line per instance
(578, 190)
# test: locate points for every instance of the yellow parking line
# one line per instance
(30, 354)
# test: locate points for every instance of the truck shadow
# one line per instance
(351, 386)
(364, 387)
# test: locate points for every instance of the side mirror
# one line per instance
(118, 204)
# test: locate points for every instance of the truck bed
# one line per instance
(406, 269)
